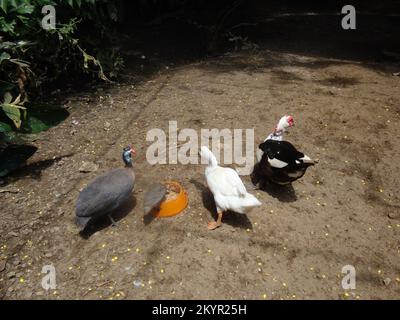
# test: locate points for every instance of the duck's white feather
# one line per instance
(306, 158)
(276, 163)
(227, 187)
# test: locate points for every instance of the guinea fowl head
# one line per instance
(127, 154)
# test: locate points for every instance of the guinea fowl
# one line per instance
(227, 187)
(107, 192)
(279, 161)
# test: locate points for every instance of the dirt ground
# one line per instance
(344, 211)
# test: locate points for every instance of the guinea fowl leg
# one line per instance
(113, 223)
(215, 224)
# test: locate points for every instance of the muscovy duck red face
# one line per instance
(284, 123)
(290, 121)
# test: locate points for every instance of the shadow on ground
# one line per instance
(105, 222)
(234, 219)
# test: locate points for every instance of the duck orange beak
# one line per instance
(133, 151)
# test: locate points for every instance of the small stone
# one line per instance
(2, 265)
(13, 234)
(11, 275)
(26, 231)
(88, 167)
(394, 215)
(387, 281)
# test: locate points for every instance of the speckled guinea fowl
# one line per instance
(107, 192)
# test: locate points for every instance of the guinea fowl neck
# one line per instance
(127, 158)
(129, 165)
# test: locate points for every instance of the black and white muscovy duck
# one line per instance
(279, 161)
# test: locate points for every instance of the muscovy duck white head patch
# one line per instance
(284, 123)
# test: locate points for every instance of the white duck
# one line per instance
(227, 187)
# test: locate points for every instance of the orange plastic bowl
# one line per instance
(172, 207)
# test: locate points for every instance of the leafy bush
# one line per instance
(31, 57)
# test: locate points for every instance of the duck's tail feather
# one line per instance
(82, 222)
(308, 160)
(243, 204)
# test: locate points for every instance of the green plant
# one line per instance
(31, 57)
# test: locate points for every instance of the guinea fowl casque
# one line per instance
(107, 192)
(227, 187)
(279, 161)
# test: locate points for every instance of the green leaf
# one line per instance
(4, 56)
(41, 117)
(7, 98)
(12, 113)
(21, 63)
(3, 5)
(25, 9)
(5, 127)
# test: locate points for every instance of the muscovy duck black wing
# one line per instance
(282, 150)
(281, 162)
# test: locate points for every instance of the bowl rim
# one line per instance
(172, 207)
